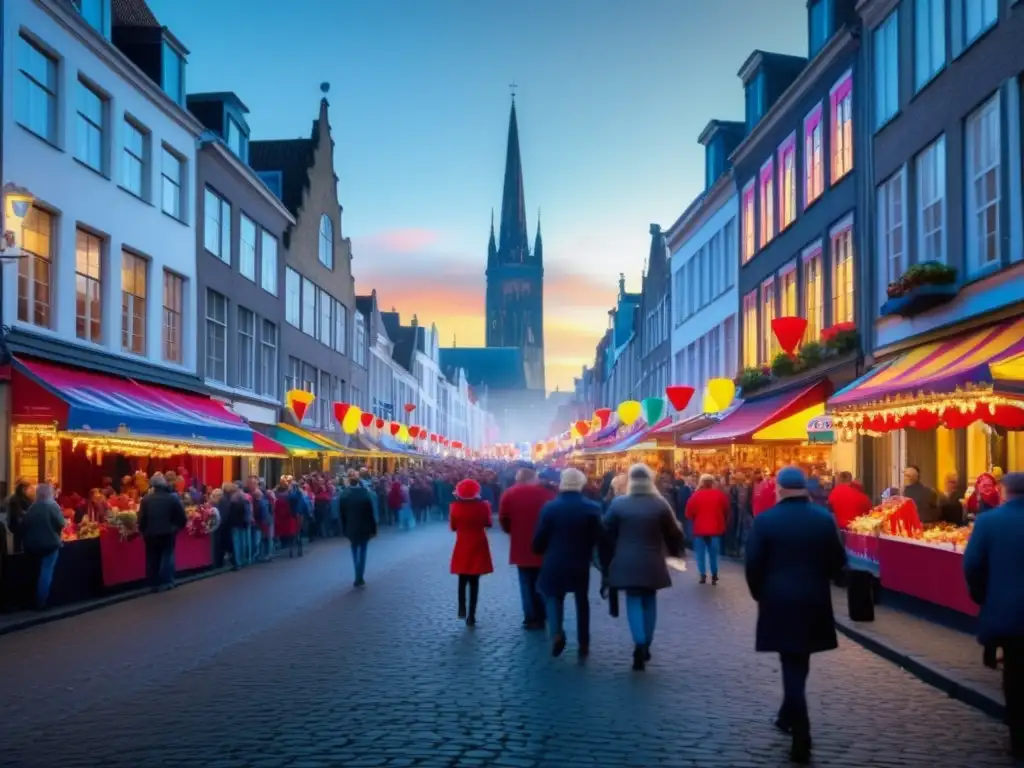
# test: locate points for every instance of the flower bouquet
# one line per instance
(88, 529)
(125, 523)
(202, 520)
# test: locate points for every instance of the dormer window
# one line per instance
(712, 162)
(238, 142)
(173, 66)
(820, 25)
(96, 14)
(326, 242)
(756, 98)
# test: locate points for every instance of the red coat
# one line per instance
(848, 502)
(518, 514)
(709, 510)
(470, 521)
(285, 523)
(764, 497)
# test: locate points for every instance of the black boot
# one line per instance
(647, 652)
(703, 579)
(558, 644)
(639, 655)
(714, 580)
(800, 750)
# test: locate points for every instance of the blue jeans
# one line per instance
(556, 616)
(47, 565)
(707, 548)
(256, 538)
(240, 546)
(359, 559)
(642, 613)
(533, 603)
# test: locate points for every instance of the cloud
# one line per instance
(398, 241)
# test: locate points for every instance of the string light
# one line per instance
(899, 407)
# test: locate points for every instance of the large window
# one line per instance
(892, 239)
(324, 325)
(238, 142)
(247, 247)
(767, 189)
(309, 307)
(931, 202)
(787, 182)
(292, 297)
(246, 349)
(887, 70)
(293, 374)
(787, 291)
(217, 226)
(88, 286)
(340, 327)
(842, 273)
(170, 183)
(35, 92)
(814, 303)
(749, 236)
(769, 344)
(749, 330)
(95, 14)
(133, 159)
(173, 65)
(308, 383)
(268, 262)
(35, 270)
(90, 125)
(133, 303)
(982, 193)
(729, 246)
(268, 359)
(216, 336)
(174, 290)
(979, 15)
(929, 40)
(359, 339)
(842, 127)
(326, 252)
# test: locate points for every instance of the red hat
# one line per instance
(468, 489)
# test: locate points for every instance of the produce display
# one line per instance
(944, 533)
(87, 529)
(896, 516)
(126, 523)
(202, 520)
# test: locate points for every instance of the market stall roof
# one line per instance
(267, 447)
(683, 427)
(384, 445)
(326, 444)
(773, 418)
(294, 441)
(989, 358)
(91, 403)
(637, 441)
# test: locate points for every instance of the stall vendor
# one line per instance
(925, 499)
(985, 496)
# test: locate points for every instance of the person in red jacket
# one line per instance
(847, 501)
(470, 517)
(764, 495)
(518, 515)
(708, 508)
(286, 523)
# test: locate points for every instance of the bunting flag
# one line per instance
(298, 401)
(379, 423)
(653, 408)
(403, 434)
(340, 411)
(719, 395)
(414, 431)
(395, 428)
(365, 418)
(680, 396)
(409, 407)
(789, 331)
(603, 415)
(583, 427)
(353, 419)
(629, 412)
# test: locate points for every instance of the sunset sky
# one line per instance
(611, 98)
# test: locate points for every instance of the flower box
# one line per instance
(919, 299)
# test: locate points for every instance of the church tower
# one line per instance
(515, 275)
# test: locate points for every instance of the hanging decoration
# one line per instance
(680, 396)
(433, 437)
(403, 434)
(719, 395)
(573, 433)
(603, 415)
(409, 407)
(789, 331)
(354, 417)
(298, 402)
(379, 423)
(653, 408)
(456, 445)
(629, 411)
(395, 427)
(365, 418)
(583, 427)
(341, 411)
(414, 431)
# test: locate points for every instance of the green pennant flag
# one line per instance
(653, 407)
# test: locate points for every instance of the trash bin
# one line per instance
(860, 600)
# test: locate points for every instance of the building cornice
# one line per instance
(699, 211)
(750, 66)
(108, 53)
(249, 175)
(841, 43)
(873, 12)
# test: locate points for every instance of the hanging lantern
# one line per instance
(379, 423)
(366, 419)
(629, 412)
(340, 412)
(395, 427)
(354, 417)
(653, 408)
(457, 445)
(603, 415)
(583, 427)
(433, 437)
(298, 401)
(789, 331)
(409, 407)
(719, 395)
(679, 396)
(414, 431)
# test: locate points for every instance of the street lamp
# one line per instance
(17, 202)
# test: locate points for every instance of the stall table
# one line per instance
(77, 577)
(124, 561)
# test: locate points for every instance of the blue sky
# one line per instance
(611, 97)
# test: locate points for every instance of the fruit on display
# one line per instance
(944, 533)
(88, 529)
(896, 516)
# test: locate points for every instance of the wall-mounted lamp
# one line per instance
(17, 202)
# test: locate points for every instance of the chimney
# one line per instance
(622, 283)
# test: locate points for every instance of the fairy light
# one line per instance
(900, 407)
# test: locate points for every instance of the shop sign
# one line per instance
(820, 430)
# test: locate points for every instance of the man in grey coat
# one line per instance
(793, 554)
(41, 536)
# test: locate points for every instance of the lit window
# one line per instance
(929, 40)
(217, 229)
(767, 203)
(931, 202)
(787, 291)
(90, 123)
(133, 303)
(88, 286)
(769, 344)
(308, 307)
(216, 336)
(35, 96)
(814, 306)
(170, 177)
(749, 237)
(268, 359)
(292, 298)
(268, 262)
(842, 273)
(750, 330)
(133, 159)
(247, 247)
(35, 269)
(246, 348)
(842, 127)
(983, 160)
(887, 70)
(787, 182)
(892, 248)
(326, 252)
(173, 299)
(814, 156)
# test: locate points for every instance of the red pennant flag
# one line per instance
(366, 419)
(395, 428)
(679, 396)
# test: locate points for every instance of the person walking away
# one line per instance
(740, 503)
(17, 507)
(708, 508)
(994, 570)
(684, 490)
(161, 516)
(259, 502)
(794, 553)
(358, 524)
(238, 524)
(301, 510)
(847, 502)
(616, 487)
(266, 522)
(566, 536)
(470, 517)
(925, 499)
(518, 515)
(41, 526)
(286, 522)
(642, 532)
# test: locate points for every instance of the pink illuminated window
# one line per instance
(814, 157)
(841, 98)
(767, 184)
(787, 182)
(749, 243)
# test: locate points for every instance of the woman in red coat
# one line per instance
(470, 517)
(708, 508)
(286, 524)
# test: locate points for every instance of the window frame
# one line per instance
(172, 279)
(216, 210)
(265, 372)
(246, 336)
(894, 257)
(842, 230)
(928, 68)
(339, 335)
(94, 282)
(787, 197)
(986, 6)
(130, 126)
(179, 57)
(766, 197)
(751, 346)
(309, 294)
(178, 184)
(91, 124)
(268, 266)
(887, 69)
(787, 277)
(222, 324)
(324, 317)
(814, 156)
(813, 254)
(293, 311)
(242, 221)
(748, 212)
(130, 299)
(29, 266)
(28, 80)
(973, 263)
(936, 149)
(768, 295)
(841, 102)
(325, 250)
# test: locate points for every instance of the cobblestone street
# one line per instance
(286, 665)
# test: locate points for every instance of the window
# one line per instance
(216, 336)
(691, 282)
(173, 66)
(755, 100)
(247, 247)
(814, 157)
(323, 405)
(217, 229)
(268, 359)
(750, 330)
(979, 15)
(133, 303)
(931, 202)
(769, 345)
(326, 242)
(308, 383)
(887, 70)
(246, 349)
(892, 250)
(729, 246)
(359, 339)
(292, 298)
(702, 276)
(340, 330)
(88, 302)
(842, 273)
(170, 178)
(35, 269)
(787, 182)
(819, 25)
(273, 180)
(308, 307)
(324, 327)
(767, 203)
(814, 306)
(842, 127)
(982, 179)
(35, 98)
(133, 159)
(787, 291)
(173, 299)
(293, 374)
(89, 127)
(94, 13)
(749, 241)
(729, 331)
(238, 142)
(929, 40)
(268, 262)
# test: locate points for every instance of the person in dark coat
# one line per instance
(994, 570)
(17, 506)
(518, 515)
(642, 531)
(793, 554)
(470, 517)
(41, 529)
(161, 516)
(567, 533)
(358, 524)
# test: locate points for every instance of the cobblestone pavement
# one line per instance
(286, 665)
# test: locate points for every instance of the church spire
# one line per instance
(514, 242)
(538, 245)
(492, 248)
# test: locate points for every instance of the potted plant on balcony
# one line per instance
(922, 287)
(753, 378)
(841, 338)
